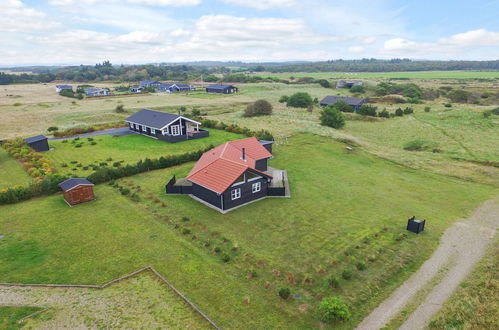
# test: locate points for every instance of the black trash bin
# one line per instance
(415, 225)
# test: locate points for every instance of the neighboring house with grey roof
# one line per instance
(348, 83)
(94, 91)
(175, 87)
(354, 102)
(165, 126)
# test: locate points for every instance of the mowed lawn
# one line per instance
(10, 315)
(129, 149)
(346, 208)
(11, 172)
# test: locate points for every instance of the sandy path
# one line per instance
(462, 246)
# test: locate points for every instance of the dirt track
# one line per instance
(462, 246)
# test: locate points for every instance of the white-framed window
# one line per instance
(144, 128)
(256, 187)
(153, 131)
(175, 129)
(235, 193)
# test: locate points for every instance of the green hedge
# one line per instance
(261, 134)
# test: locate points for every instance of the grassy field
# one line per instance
(474, 305)
(346, 208)
(128, 149)
(141, 301)
(12, 172)
(10, 315)
(387, 75)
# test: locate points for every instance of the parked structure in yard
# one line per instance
(415, 225)
(233, 174)
(60, 88)
(136, 89)
(94, 91)
(149, 83)
(165, 126)
(221, 89)
(175, 87)
(348, 83)
(38, 143)
(77, 190)
(354, 102)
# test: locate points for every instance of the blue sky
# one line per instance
(143, 31)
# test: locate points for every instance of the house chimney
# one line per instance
(244, 154)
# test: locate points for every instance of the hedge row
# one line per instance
(49, 185)
(233, 128)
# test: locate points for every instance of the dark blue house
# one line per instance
(221, 89)
(165, 126)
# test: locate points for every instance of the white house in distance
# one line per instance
(60, 88)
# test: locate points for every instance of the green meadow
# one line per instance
(347, 212)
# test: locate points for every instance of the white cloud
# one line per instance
(450, 47)
(16, 17)
(172, 3)
(263, 4)
(356, 49)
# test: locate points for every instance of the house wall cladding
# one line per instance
(206, 195)
(261, 164)
(246, 193)
(40, 145)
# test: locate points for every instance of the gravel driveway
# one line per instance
(462, 246)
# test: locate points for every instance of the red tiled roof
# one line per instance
(219, 168)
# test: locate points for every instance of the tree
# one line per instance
(343, 106)
(332, 117)
(384, 114)
(299, 100)
(258, 108)
(333, 309)
(357, 89)
(399, 112)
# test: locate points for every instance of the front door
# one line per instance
(175, 129)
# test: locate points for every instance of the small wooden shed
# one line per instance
(39, 143)
(77, 190)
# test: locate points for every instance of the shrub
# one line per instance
(217, 249)
(283, 99)
(367, 110)
(310, 108)
(299, 100)
(347, 274)
(333, 282)
(448, 105)
(119, 108)
(333, 309)
(225, 258)
(399, 112)
(52, 129)
(343, 106)
(427, 109)
(324, 83)
(64, 165)
(459, 96)
(196, 112)
(495, 111)
(284, 293)
(357, 89)
(258, 108)
(93, 143)
(332, 117)
(109, 159)
(408, 111)
(384, 114)
(360, 265)
(78, 145)
(185, 219)
(186, 231)
(420, 145)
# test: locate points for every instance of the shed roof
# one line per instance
(219, 168)
(35, 139)
(64, 86)
(73, 183)
(155, 119)
(354, 101)
(219, 86)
